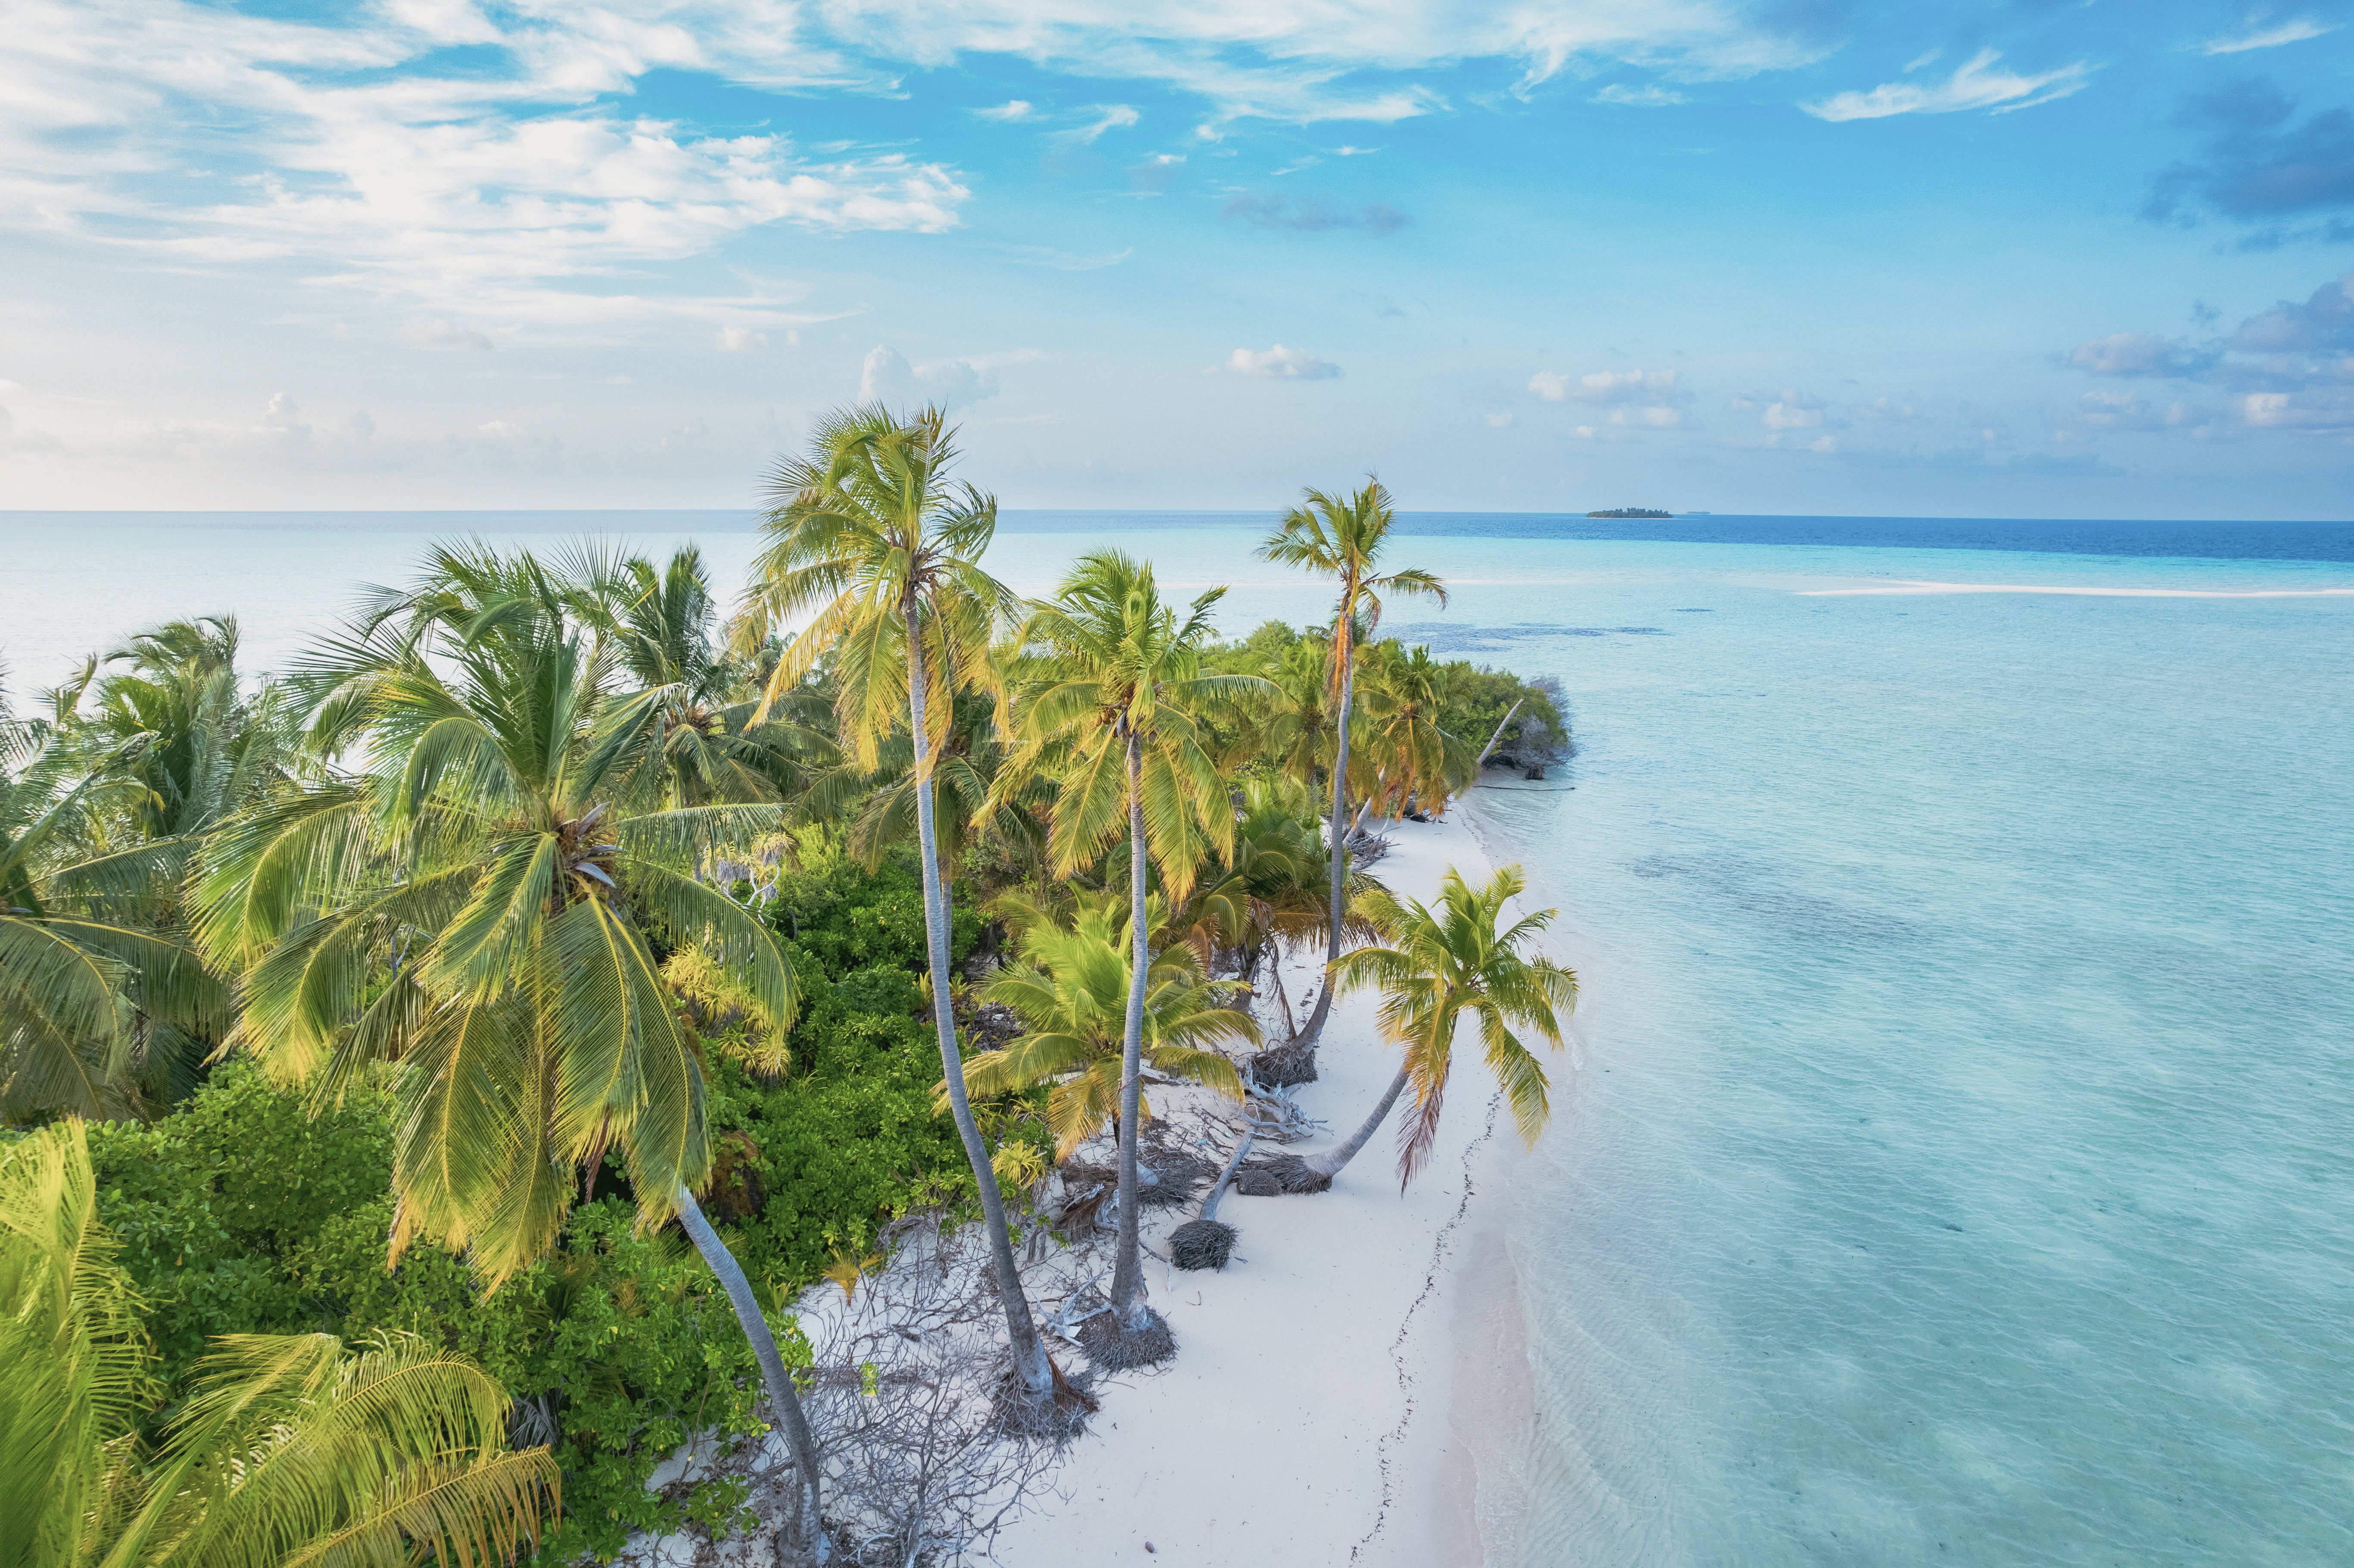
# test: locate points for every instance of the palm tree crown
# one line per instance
(477, 903)
(1434, 963)
(1070, 991)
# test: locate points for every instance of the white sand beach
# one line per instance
(1309, 1418)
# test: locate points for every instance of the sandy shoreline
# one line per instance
(1342, 1388)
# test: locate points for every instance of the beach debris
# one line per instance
(1202, 1242)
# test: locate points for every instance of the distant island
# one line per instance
(1630, 512)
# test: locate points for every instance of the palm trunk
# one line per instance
(1127, 1263)
(1334, 913)
(1331, 1161)
(1030, 1363)
(1497, 736)
(780, 1382)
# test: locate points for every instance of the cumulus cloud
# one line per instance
(886, 378)
(2259, 163)
(1308, 214)
(438, 334)
(1977, 84)
(1791, 408)
(1611, 388)
(2324, 324)
(2266, 37)
(1011, 110)
(361, 153)
(2140, 354)
(2291, 368)
(1283, 364)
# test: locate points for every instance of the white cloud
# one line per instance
(440, 334)
(1499, 421)
(1108, 117)
(1651, 97)
(741, 340)
(2259, 38)
(2328, 411)
(1611, 388)
(1974, 85)
(1301, 60)
(953, 384)
(1289, 364)
(355, 152)
(1788, 409)
(1011, 110)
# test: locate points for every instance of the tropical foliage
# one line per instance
(549, 970)
(287, 1449)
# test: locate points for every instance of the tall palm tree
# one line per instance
(867, 530)
(1434, 965)
(1343, 537)
(1117, 703)
(1070, 990)
(479, 905)
(289, 1451)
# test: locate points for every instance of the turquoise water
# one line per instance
(1960, 1170)
(1957, 1165)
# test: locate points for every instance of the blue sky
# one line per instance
(2030, 258)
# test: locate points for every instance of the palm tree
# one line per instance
(1116, 704)
(694, 723)
(1421, 761)
(289, 1450)
(86, 976)
(480, 905)
(1343, 537)
(1434, 966)
(1070, 990)
(868, 530)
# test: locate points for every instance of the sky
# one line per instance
(2015, 258)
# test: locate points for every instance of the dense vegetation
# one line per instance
(409, 999)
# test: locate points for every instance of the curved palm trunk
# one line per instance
(780, 1382)
(1333, 1161)
(1492, 740)
(1030, 1363)
(1127, 1264)
(1346, 652)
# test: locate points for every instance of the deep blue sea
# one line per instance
(1956, 1164)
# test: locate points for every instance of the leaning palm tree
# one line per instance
(1115, 710)
(480, 905)
(867, 530)
(1070, 990)
(1433, 966)
(289, 1450)
(1343, 537)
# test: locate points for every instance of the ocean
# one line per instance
(1955, 1161)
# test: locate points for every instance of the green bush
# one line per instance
(242, 1213)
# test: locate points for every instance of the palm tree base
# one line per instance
(1112, 1346)
(1280, 1177)
(1056, 1416)
(1202, 1243)
(1283, 1066)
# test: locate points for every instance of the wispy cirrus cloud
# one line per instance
(2266, 37)
(1108, 117)
(1311, 215)
(1978, 83)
